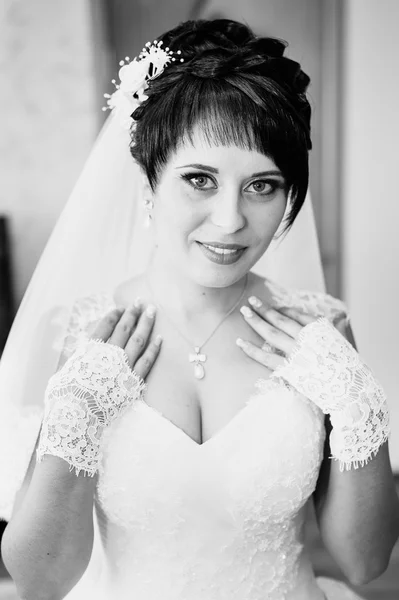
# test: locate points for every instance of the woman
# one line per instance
(198, 395)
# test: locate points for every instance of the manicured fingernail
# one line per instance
(255, 301)
(137, 302)
(240, 342)
(247, 312)
(158, 340)
(150, 310)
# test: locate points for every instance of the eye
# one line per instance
(271, 184)
(199, 176)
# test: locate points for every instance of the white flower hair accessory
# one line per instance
(134, 76)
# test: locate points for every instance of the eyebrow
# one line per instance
(214, 170)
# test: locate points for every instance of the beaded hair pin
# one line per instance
(134, 76)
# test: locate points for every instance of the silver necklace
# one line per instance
(197, 357)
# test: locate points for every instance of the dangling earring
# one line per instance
(149, 205)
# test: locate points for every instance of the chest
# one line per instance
(202, 407)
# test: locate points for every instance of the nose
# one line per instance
(227, 212)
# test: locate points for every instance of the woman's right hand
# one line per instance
(130, 329)
(94, 387)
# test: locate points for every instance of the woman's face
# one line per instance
(218, 196)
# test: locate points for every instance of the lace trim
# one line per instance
(94, 387)
(318, 304)
(327, 369)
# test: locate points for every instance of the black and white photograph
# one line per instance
(199, 300)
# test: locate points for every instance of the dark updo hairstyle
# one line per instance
(239, 89)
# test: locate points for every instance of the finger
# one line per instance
(281, 321)
(297, 314)
(266, 347)
(267, 331)
(341, 320)
(122, 332)
(146, 361)
(139, 337)
(106, 326)
(271, 361)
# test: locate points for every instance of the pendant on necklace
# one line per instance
(197, 359)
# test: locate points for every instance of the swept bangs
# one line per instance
(244, 110)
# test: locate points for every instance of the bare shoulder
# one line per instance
(127, 291)
(261, 287)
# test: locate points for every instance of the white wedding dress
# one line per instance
(176, 520)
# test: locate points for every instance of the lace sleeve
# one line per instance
(326, 368)
(325, 305)
(86, 313)
(319, 304)
(19, 429)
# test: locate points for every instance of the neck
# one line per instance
(180, 295)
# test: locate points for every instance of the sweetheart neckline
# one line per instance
(260, 387)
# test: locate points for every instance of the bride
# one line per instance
(169, 409)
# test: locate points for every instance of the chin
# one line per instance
(219, 276)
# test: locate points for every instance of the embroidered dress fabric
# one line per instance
(223, 520)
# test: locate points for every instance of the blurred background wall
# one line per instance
(370, 198)
(57, 59)
(48, 117)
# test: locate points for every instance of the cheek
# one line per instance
(265, 220)
(176, 221)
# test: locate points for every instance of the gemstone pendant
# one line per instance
(199, 371)
(197, 359)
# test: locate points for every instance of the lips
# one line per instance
(222, 254)
(224, 246)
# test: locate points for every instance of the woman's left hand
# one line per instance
(279, 328)
(327, 370)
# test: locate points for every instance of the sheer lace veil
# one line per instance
(97, 242)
